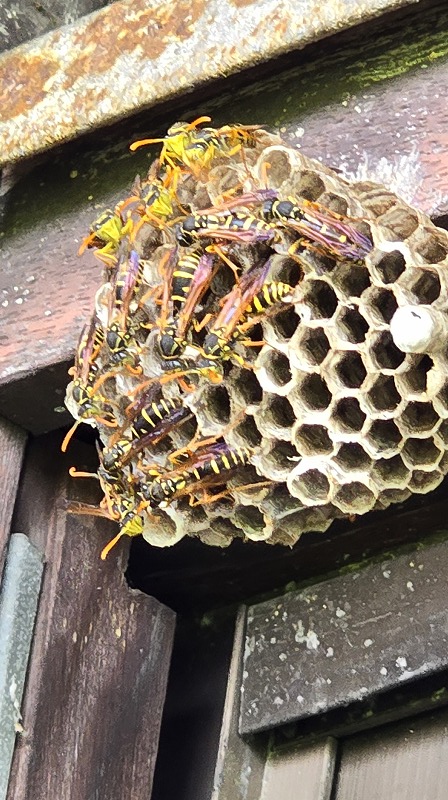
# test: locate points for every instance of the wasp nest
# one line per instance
(342, 405)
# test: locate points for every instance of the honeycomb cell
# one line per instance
(402, 222)
(351, 325)
(429, 248)
(423, 482)
(320, 299)
(276, 417)
(383, 396)
(354, 498)
(273, 371)
(379, 305)
(334, 202)
(349, 370)
(425, 286)
(385, 354)
(312, 440)
(278, 462)
(421, 454)
(246, 388)
(391, 473)
(389, 267)
(309, 347)
(351, 279)
(347, 416)
(418, 419)
(383, 439)
(285, 323)
(252, 522)
(215, 404)
(223, 533)
(279, 502)
(414, 381)
(245, 433)
(442, 433)
(312, 394)
(310, 482)
(308, 185)
(351, 457)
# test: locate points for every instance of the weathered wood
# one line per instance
(307, 768)
(344, 640)
(353, 98)
(12, 448)
(240, 764)
(101, 653)
(22, 21)
(71, 75)
(403, 762)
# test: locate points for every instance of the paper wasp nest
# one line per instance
(343, 420)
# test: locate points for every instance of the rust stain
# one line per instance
(242, 3)
(148, 30)
(25, 82)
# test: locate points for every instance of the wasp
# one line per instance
(189, 281)
(201, 470)
(122, 325)
(233, 226)
(336, 236)
(85, 372)
(105, 235)
(185, 145)
(120, 504)
(151, 424)
(252, 297)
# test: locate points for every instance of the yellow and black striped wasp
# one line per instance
(240, 309)
(91, 405)
(105, 235)
(329, 233)
(231, 226)
(149, 423)
(120, 503)
(187, 145)
(187, 280)
(209, 467)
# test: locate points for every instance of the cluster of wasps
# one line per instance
(184, 316)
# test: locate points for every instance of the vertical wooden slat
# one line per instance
(240, 764)
(99, 665)
(404, 762)
(12, 448)
(300, 772)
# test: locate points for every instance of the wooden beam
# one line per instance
(12, 448)
(101, 653)
(309, 767)
(345, 640)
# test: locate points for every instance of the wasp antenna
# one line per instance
(106, 550)
(73, 472)
(69, 435)
(85, 243)
(196, 122)
(142, 142)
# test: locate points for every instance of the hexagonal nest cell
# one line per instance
(337, 418)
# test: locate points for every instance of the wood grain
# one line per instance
(12, 448)
(240, 764)
(403, 762)
(345, 640)
(373, 99)
(309, 767)
(101, 654)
